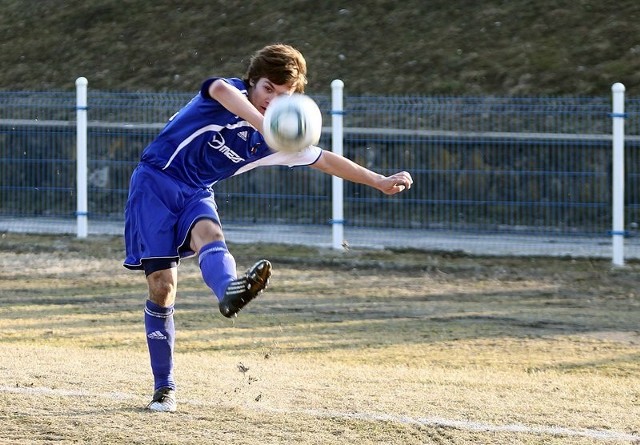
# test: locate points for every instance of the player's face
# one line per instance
(263, 92)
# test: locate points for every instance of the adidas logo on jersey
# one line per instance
(243, 135)
(156, 335)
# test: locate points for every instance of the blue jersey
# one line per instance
(204, 143)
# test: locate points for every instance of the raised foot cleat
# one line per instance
(164, 400)
(244, 289)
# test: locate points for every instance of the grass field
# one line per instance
(357, 347)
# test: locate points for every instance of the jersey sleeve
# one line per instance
(308, 156)
(238, 83)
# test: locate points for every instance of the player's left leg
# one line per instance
(218, 269)
(217, 265)
(244, 289)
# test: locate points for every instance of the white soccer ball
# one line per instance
(292, 123)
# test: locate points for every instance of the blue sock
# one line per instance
(218, 267)
(161, 334)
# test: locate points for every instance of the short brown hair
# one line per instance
(281, 64)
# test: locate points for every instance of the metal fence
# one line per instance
(539, 166)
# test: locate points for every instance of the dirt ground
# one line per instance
(395, 347)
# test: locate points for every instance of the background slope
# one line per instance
(382, 47)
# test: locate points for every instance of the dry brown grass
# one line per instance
(359, 347)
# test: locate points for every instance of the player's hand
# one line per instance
(397, 183)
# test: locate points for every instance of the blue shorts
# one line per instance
(160, 214)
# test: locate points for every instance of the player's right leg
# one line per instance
(160, 330)
(150, 217)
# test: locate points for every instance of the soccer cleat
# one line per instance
(164, 400)
(242, 290)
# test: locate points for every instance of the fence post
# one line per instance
(81, 157)
(337, 134)
(617, 232)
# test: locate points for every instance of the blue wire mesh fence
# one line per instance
(535, 165)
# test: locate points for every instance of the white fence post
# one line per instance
(81, 157)
(617, 232)
(337, 135)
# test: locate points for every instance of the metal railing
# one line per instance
(535, 165)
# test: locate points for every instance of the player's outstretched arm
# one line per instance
(344, 168)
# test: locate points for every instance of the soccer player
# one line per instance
(171, 211)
